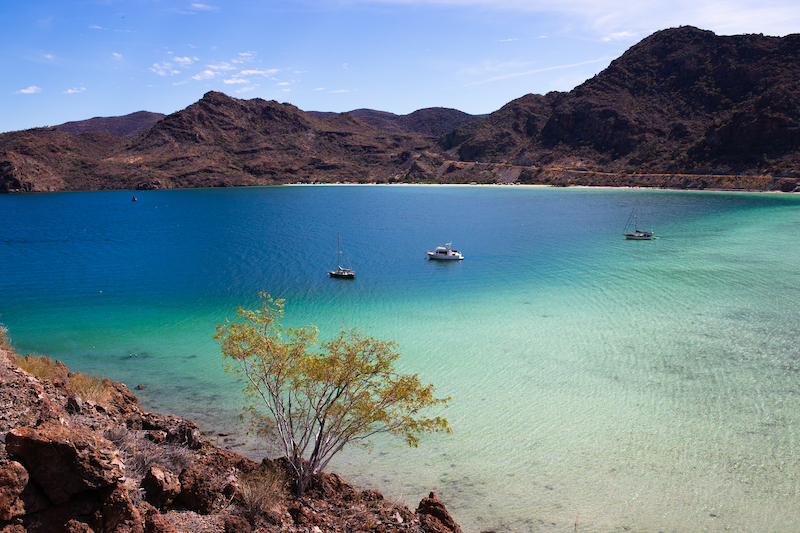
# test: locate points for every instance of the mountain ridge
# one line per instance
(126, 126)
(681, 108)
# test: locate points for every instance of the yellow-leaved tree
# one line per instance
(316, 402)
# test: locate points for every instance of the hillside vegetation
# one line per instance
(683, 108)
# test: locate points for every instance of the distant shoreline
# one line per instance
(539, 185)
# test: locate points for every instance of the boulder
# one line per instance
(119, 513)
(106, 510)
(178, 430)
(13, 481)
(197, 490)
(186, 435)
(433, 516)
(65, 461)
(236, 524)
(155, 522)
(161, 486)
(121, 400)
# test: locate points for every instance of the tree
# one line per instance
(318, 402)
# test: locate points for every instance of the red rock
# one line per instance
(119, 513)
(161, 486)
(197, 490)
(434, 518)
(64, 461)
(13, 480)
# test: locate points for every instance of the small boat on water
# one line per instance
(637, 234)
(341, 272)
(445, 253)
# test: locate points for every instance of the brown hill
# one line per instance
(681, 101)
(217, 141)
(684, 106)
(127, 126)
(433, 121)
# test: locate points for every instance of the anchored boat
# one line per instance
(445, 253)
(341, 272)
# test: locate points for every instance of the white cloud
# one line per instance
(75, 90)
(340, 91)
(205, 75)
(284, 83)
(224, 66)
(620, 36)
(234, 81)
(185, 61)
(117, 56)
(30, 90)
(164, 69)
(247, 89)
(96, 27)
(268, 72)
(204, 7)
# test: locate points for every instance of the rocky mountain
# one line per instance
(682, 108)
(217, 141)
(127, 126)
(680, 101)
(433, 121)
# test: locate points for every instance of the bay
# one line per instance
(623, 385)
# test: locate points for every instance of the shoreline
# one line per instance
(530, 185)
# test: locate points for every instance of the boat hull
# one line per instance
(639, 236)
(343, 273)
(444, 257)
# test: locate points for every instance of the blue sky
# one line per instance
(65, 60)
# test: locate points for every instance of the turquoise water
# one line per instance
(626, 385)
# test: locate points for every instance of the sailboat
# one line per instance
(637, 234)
(340, 272)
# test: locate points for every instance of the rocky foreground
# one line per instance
(94, 461)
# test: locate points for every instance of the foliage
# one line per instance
(260, 490)
(318, 402)
(5, 341)
(87, 387)
(140, 453)
(42, 367)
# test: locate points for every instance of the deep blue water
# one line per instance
(643, 385)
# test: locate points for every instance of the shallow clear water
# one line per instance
(648, 385)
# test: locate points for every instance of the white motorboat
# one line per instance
(445, 253)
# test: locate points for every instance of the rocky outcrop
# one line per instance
(434, 516)
(161, 486)
(76, 466)
(65, 461)
(13, 482)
